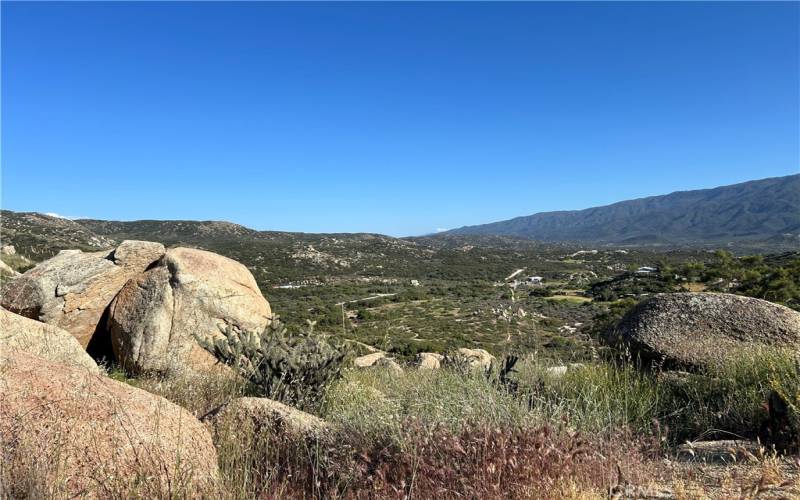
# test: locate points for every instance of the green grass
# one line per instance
(437, 426)
(378, 402)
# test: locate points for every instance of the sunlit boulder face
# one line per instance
(694, 330)
(189, 293)
(18, 333)
(73, 289)
(75, 434)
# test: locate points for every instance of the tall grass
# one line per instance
(378, 402)
(594, 398)
(451, 433)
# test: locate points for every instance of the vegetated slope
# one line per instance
(41, 236)
(275, 256)
(285, 257)
(766, 210)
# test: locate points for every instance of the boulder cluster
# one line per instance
(144, 306)
(141, 304)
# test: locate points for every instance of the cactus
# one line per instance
(292, 368)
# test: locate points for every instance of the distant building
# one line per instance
(414, 282)
(535, 280)
(647, 270)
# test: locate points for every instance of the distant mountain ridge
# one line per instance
(760, 210)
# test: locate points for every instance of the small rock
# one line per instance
(368, 359)
(390, 365)
(429, 360)
(478, 358)
(260, 414)
(7, 270)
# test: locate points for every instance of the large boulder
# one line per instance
(262, 414)
(68, 433)
(695, 330)
(73, 289)
(18, 333)
(155, 318)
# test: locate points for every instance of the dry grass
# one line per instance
(448, 434)
(476, 462)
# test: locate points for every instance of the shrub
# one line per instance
(295, 369)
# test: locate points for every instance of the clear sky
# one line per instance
(399, 118)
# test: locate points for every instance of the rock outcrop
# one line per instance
(378, 360)
(262, 414)
(368, 360)
(18, 333)
(389, 364)
(154, 319)
(694, 330)
(429, 360)
(77, 434)
(6, 270)
(478, 358)
(73, 289)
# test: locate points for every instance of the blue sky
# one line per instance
(397, 118)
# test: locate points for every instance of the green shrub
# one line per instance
(295, 369)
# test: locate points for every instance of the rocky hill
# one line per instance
(765, 211)
(41, 236)
(273, 256)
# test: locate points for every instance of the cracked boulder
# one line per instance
(73, 289)
(156, 318)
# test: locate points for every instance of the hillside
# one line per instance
(766, 210)
(41, 236)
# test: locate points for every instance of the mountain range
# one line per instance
(756, 216)
(766, 211)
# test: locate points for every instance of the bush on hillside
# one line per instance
(293, 368)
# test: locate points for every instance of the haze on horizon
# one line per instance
(394, 118)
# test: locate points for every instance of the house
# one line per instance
(647, 270)
(536, 280)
